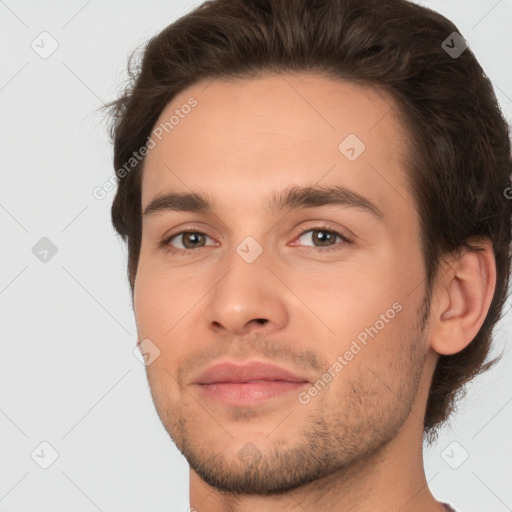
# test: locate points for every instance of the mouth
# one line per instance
(249, 393)
(248, 384)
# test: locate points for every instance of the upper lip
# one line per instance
(251, 371)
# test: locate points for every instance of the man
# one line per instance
(313, 196)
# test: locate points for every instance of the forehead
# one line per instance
(274, 131)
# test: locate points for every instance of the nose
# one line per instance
(248, 298)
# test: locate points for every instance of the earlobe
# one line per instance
(463, 295)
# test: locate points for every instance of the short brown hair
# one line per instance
(459, 160)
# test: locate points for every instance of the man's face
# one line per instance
(251, 282)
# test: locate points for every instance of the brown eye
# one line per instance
(187, 240)
(321, 237)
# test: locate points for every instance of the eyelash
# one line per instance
(165, 244)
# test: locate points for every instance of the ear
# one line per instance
(462, 296)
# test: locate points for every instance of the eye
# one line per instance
(322, 238)
(185, 240)
(326, 239)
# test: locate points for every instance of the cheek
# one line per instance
(164, 310)
(152, 305)
(349, 300)
(370, 301)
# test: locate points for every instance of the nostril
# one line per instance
(261, 320)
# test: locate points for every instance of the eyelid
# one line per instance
(344, 233)
(188, 228)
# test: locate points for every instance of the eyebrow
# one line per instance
(290, 199)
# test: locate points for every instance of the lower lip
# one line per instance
(249, 393)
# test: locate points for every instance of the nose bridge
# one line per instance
(247, 290)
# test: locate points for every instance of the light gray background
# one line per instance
(68, 375)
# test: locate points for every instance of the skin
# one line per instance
(357, 445)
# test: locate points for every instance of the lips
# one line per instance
(251, 372)
(248, 385)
